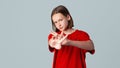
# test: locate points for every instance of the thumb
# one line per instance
(61, 35)
(62, 39)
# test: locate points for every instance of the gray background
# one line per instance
(25, 24)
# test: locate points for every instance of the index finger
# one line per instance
(54, 33)
(61, 35)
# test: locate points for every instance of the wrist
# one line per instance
(69, 42)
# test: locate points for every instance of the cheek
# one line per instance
(56, 25)
(66, 23)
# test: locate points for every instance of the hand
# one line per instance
(57, 40)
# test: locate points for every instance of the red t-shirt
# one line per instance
(71, 56)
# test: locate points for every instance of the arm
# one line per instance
(87, 45)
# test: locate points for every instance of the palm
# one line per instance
(58, 40)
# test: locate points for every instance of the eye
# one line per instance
(60, 19)
(55, 22)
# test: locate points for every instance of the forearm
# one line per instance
(88, 45)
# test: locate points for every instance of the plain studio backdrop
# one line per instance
(25, 25)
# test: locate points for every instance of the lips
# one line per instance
(60, 27)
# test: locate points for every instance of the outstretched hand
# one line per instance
(57, 39)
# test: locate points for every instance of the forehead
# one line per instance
(57, 16)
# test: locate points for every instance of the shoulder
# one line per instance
(82, 35)
(80, 31)
(51, 34)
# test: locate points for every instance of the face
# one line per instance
(60, 21)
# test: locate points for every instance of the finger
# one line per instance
(58, 46)
(60, 41)
(54, 33)
(53, 37)
(61, 35)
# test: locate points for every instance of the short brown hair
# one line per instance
(63, 10)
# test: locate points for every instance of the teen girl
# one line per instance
(69, 45)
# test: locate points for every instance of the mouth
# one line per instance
(61, 28)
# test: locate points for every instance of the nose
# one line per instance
(59, 24)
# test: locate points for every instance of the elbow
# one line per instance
(91, 45)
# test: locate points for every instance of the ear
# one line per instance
(68, 17)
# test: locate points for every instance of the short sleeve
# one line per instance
(50, 48)
(90, 51)
(84, 37)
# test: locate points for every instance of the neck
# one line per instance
(69, 31)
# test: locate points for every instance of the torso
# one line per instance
(70, 56)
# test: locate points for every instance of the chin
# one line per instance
(62, 30)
